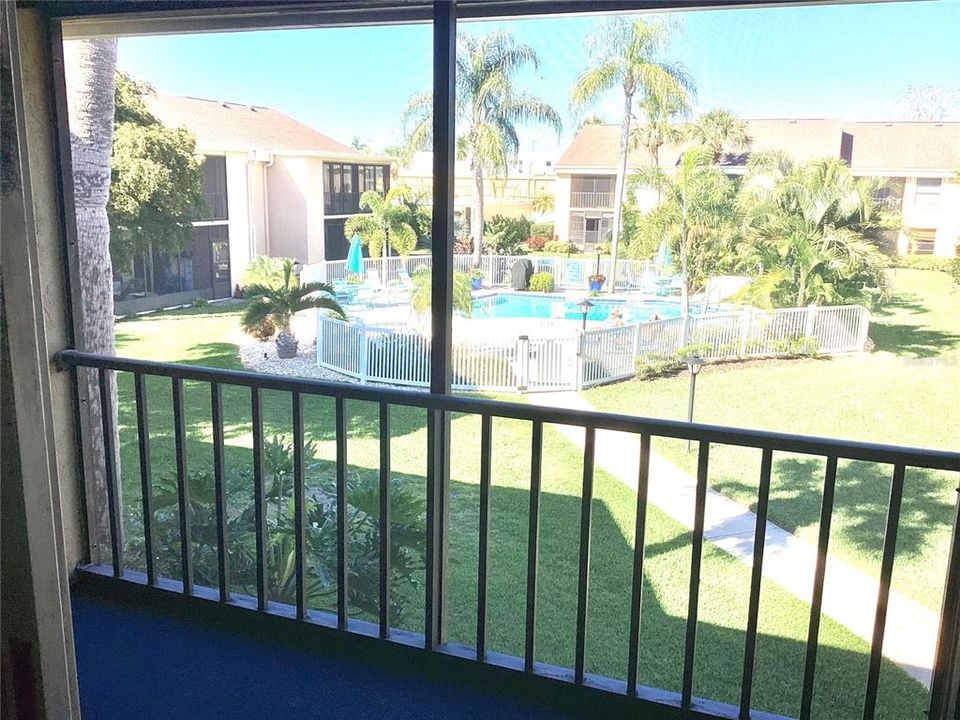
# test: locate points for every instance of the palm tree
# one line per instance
(488, 110)
(387, 224)
(696, 214)
(90, 69)
(543, 202)
(660, 112)
(278, 305)
(717, 130)
(812, 228)
(629, 58)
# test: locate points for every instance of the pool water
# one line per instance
(522, 305)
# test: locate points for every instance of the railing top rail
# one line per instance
(829, 447)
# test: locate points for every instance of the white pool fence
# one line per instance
(571, 361)
(568, 273)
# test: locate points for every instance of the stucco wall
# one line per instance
(944, 218)
(287, 207)
(238, 214)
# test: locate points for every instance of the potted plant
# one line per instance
(476, 279)
(278, 305)
(596, 282)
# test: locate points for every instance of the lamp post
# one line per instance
(584, 306)
(297, 268)
(694, 364)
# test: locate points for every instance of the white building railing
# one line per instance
(401, 356)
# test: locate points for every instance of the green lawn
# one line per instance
(204, 336)
(907, 392)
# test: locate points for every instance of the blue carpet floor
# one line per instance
(135, 663)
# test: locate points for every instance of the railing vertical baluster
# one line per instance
(183, 490)
(696, 554)
(486, 433)
(636, 597)
(584, 579)
(299, 498)
(114, 510)
(533, 543)
(753, 612)
(341, 432)
(259, 497)
(385, 544)
(826, 514)
(220, 491)
(883, 595)
(146, 484)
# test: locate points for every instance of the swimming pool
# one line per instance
(555, 307)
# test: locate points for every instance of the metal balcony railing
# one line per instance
(591, 199)
(682, 704)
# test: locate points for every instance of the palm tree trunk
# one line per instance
(476, 221)
(90, 67)
(618, 190)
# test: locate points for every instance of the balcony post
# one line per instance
(438, 468)
(946, 669)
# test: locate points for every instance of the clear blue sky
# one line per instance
(851, 61)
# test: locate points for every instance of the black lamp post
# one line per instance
(694, 364)
(584, 306)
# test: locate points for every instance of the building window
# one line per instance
(345, 183)
(928, 192)
(922, 242)
(214, 170)
(592, 192)
(590, 229)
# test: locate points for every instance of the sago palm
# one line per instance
(278, 305)
(488, 110)
(629, 55)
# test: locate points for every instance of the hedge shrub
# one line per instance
(537, 242)
(541, 282)
(560, 247)
(542, 228)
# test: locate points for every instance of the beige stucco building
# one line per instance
(920, 159)
(274, 186)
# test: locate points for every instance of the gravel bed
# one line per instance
(262, 357)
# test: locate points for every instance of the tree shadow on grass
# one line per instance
(863, 495)
(911, 340)
(905, 338)
(719, 652)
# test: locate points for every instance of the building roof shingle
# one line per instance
(220, 126)
(879, 147)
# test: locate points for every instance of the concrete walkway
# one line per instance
(850, 595)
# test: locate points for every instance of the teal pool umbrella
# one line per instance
(664, 257)
(355, 256)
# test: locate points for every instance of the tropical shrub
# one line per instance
(541, 282)
(407, 517)
(560, 247)
(603, 248)
(506, 236)
(200, 302)
(662, 364)
(537, 242)
(266, 271)
(806, 346)
(812, 228)
(542, 228)
(421, 299)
